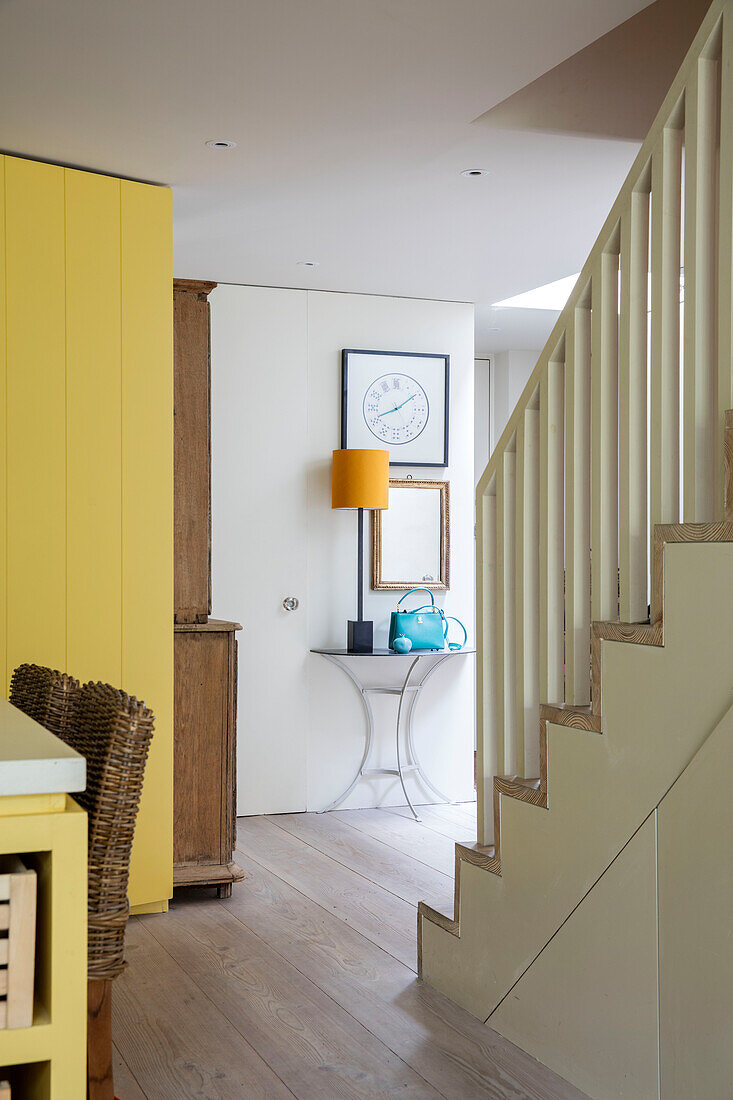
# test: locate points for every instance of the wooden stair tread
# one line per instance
(525, 790)
(520, 781)
(436, 917)
(633, 633)
(565, 714)
(478, 854)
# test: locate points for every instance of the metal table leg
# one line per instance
(400, 770)
(370, 731)
(414, 758)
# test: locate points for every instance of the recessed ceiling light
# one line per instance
(475, 172)
(307, 263)
(221, 144)
(550, 296)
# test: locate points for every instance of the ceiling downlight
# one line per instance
(219, 144)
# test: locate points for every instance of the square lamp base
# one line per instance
(360, 636)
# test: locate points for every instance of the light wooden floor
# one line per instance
(303, 983)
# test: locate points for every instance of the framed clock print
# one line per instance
(399, 401)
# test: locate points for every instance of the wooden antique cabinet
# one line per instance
(205, 755)
(205, 650)
(191, 451)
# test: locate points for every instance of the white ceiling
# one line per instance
(353, 120)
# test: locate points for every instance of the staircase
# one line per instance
(605, 597)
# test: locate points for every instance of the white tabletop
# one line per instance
(33, 760)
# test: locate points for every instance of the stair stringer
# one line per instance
(658, 706)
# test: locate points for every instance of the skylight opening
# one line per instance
(550, 296)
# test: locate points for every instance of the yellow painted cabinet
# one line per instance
(48, 1059)
(86, 427)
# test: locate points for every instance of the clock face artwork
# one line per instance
(396, 408)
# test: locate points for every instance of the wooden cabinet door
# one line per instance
(201, 818)
(192, 451)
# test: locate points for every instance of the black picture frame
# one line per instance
(346, 352)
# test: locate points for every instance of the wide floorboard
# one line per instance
(303, 983)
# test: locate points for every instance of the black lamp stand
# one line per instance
(360, 634)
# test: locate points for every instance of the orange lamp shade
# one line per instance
(360, 479)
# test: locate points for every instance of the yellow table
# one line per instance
(40, 820)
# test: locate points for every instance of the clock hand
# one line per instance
(395, 409)
(405, 402)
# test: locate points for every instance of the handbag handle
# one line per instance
(412, 590)
(454, 645)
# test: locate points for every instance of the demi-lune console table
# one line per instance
(423, 663)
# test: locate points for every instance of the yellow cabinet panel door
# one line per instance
(147, 516)
(36, 421)
(3, 451)
(86, 436)
(93, 427)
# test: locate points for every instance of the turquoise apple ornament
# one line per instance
(402, 645)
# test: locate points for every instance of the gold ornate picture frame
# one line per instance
(412, 531)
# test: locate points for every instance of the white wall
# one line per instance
(510, 371)
(481, 416)
(276, 385)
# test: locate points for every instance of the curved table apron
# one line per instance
(408, 696)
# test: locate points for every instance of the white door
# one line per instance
(259, 501)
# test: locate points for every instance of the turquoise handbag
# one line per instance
(425, 627)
